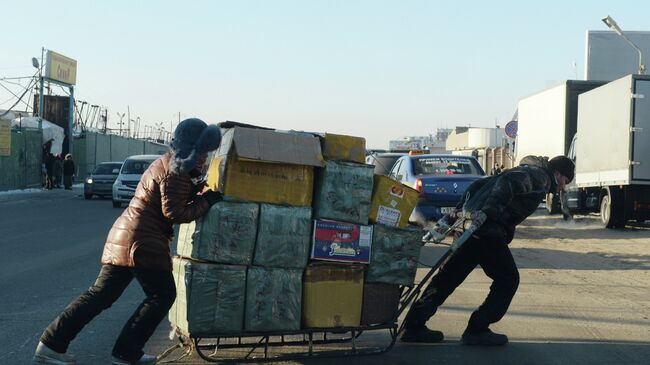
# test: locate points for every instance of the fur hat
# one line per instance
(564, 166)
(192, 138)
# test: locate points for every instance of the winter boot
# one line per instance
(483, 338)
(421, 335)
(45, 355)
(144, 360)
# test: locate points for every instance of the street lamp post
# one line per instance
(613, 26)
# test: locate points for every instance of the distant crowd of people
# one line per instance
(55, 170)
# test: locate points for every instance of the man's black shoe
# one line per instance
(483, 338)
(422, 335)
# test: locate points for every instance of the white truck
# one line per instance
(612, 152)
(547, 123)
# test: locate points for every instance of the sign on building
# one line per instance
(61, 68)
(5, 138)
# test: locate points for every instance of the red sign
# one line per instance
(511, 129)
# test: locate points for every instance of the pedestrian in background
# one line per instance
(506, 199)
(68, 171)
(57, 169)
(138, 247)
(49, 166)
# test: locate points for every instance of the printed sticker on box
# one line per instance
(388, 216)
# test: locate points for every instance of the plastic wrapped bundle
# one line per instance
(395, 255)
(344, 192)
(283, 237)
(273, 299)
(210, 298)
(226, 234)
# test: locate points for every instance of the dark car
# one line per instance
(100, 181)
(440, 179)
(383, 161)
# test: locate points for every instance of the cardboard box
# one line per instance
(343, 192)
(266, 166)
(345, 148)
(210, 298)
(380, 303)
(341, 241)
(332, 295)
(392, 202)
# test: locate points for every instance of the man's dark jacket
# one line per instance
(510, 197)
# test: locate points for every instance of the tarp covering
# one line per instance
(343, 191)
(226, 234)
(283, 237)
(51, 132)
(210, 298)
(395, 255)
(273, 299)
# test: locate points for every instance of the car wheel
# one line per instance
(611, 209)
(117, 204)
(88, 196)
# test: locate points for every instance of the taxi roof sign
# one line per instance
(416, 152)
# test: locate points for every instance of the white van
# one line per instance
(129, 177)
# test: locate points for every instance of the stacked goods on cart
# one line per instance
(333, 290)
(396, 249)
(346, 197)
(263, 224)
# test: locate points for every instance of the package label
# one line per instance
(388, 216)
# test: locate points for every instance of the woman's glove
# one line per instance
(213, 196)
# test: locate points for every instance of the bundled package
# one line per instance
(395, 255)
(226, 234)
(332, 295)
(273, 299)
(266, 166)
(345, 148)
(283, 237)
(343, 192)
(209, 298)
(392, 202)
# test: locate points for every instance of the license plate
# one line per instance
(446, 210)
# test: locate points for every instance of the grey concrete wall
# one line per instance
(103, 148)
(22, 169)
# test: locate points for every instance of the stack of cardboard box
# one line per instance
(291, 198)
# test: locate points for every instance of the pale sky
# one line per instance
(377, 69)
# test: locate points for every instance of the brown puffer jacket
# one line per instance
(141, 236)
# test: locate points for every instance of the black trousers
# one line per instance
(112, 280)
(497, 262)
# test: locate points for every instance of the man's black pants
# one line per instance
(497, 262)
(112, 280)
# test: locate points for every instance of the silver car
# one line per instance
(129, 177)
(100, 181)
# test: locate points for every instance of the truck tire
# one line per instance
(612, 214)
(553, 205)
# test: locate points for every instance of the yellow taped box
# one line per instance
(264, 182)
(266, 166)
(332, 295)
(392, 202)
(345, 148)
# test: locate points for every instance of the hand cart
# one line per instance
(250, 347)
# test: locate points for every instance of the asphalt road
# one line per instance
(584, 296)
